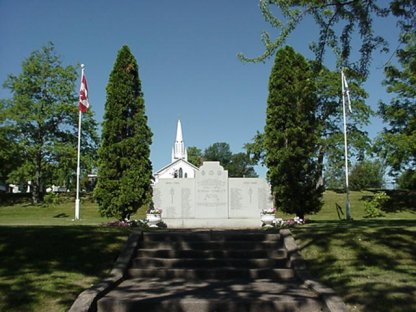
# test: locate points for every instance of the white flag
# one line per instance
(346, 90)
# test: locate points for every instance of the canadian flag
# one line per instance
(83, 95)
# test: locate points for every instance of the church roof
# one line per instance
(179, 153)
(174, 163)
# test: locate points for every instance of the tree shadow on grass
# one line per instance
(370, 263)
(401, 200)
(46, 261)
(61, 215)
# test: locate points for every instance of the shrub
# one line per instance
(51, 199)
(373, 207)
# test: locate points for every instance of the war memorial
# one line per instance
(206, 197)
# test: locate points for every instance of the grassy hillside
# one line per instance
(44, 268)
(55, 214)
(370, 263)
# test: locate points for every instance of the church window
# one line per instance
(180, 173)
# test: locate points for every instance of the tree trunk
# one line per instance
(37, 183)
(320, 178)
(35, 192)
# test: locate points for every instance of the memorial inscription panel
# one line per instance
(211, 191)
(212, 195)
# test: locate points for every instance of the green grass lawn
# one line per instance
(44, 268)
(47, 259)
(61, 214)
(370, 263)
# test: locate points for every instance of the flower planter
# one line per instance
(153, 219)
(267, 220)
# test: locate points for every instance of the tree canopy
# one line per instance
(40, 122)
(125, 169)
(407, 180)
(367, 174)
(195, 156)
(219, 151)
(397, 143)
(238, 165)
(338, 22)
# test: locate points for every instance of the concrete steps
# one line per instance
(220, 273)
(210, 271)
(213, 262)
(207, 296)
(191, 253)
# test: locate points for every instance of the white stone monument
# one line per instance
(212, 199)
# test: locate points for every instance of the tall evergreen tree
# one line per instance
(125, 169)
(291, 135)
(330, 153)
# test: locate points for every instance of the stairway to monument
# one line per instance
(209, 271)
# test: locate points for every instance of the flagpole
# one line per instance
(347, 201)
(77, 202)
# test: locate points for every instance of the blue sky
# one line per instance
(187, 56)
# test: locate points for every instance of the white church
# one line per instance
(206, 197)
(179, 166)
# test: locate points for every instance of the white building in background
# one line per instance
(179, 167)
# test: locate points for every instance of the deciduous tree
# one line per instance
(367, 174)
(407, 180)
(338, 21)
(238, 165)
(397, 143)
(10, 156)
(195, 156)
(241, 166)
(43, 115)
(219, 151)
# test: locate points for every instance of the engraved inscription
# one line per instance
(236, 199)
(186, 203)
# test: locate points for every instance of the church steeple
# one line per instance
(179, 151)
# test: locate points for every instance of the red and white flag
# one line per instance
(83, 95)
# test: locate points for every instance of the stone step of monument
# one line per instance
(181, 295)
(210, 305)
(210, 236)
(219, 253)
(210, 271)
(168, 263)
(209, 245)
(217, 273)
